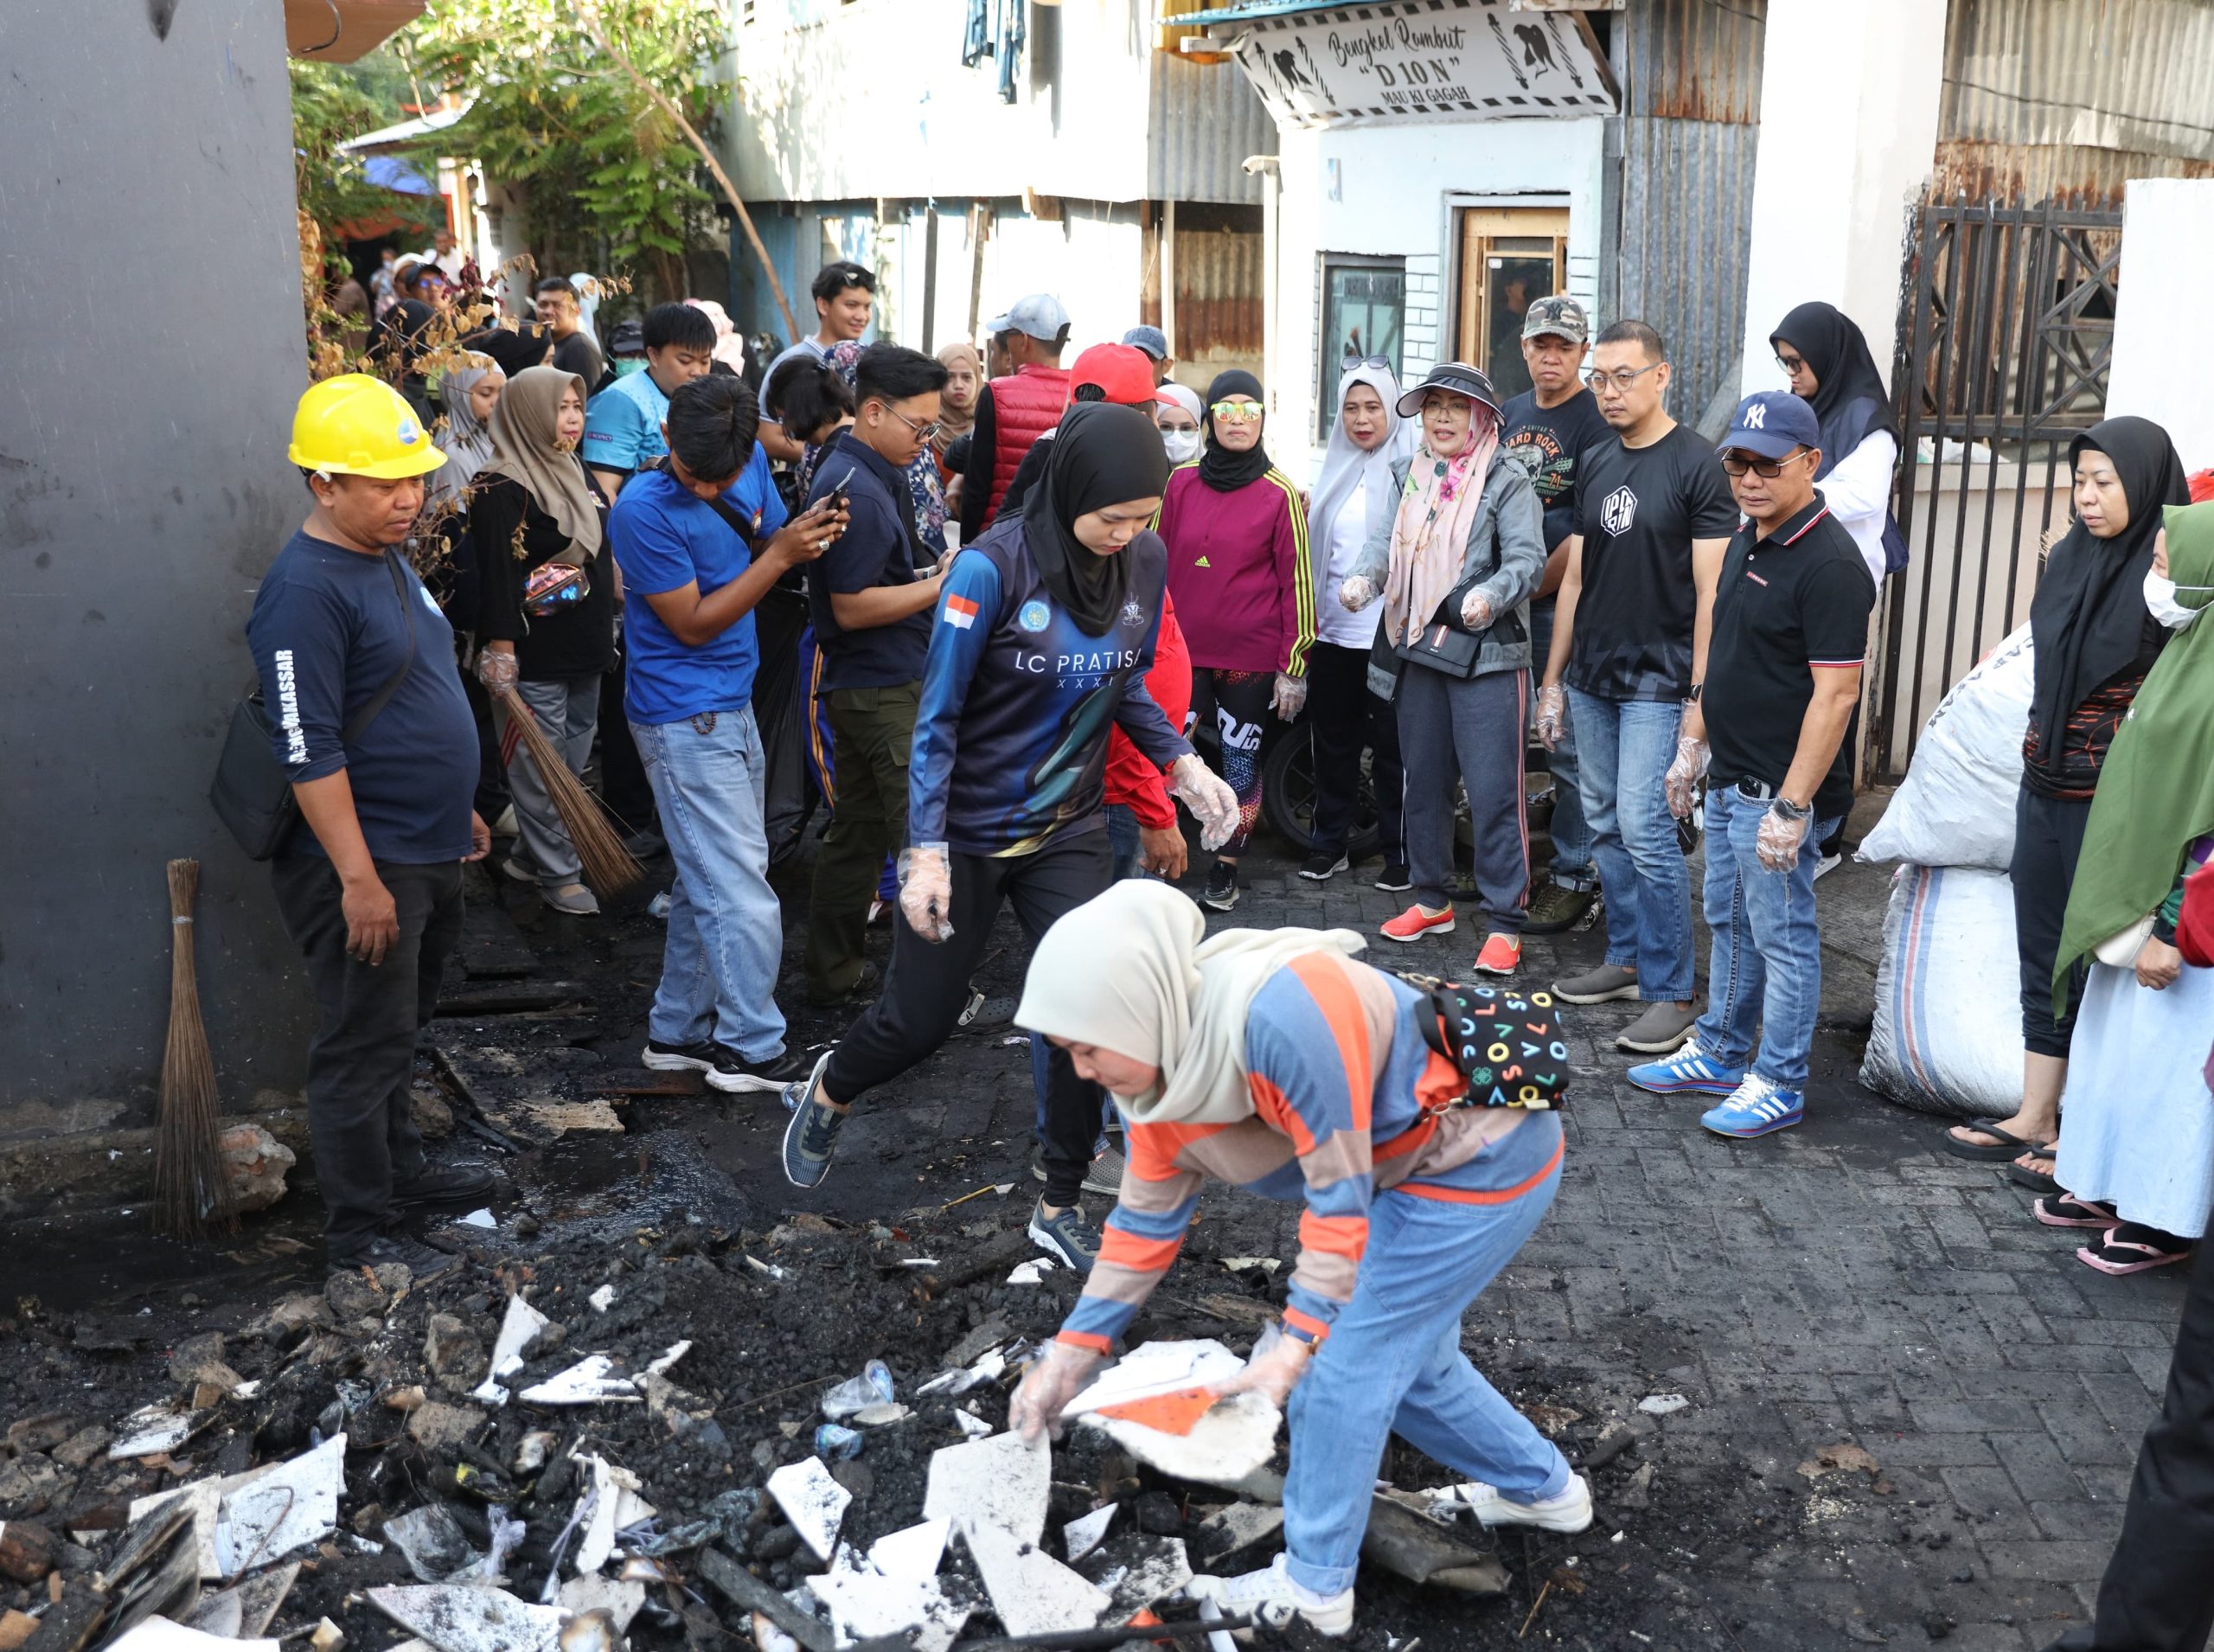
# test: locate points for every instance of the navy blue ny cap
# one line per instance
(1771, 424)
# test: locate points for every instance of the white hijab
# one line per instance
(1345, 465)
(1130, 971)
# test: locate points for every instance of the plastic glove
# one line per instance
(1048, 1387)
(1475, 610)
(1209, 798)
(1289, 695)
(1684, 774)
(926, 891)
(1355, 594)
(1278, 1363)
(1552, 714)
(495, 671)
(1779, 840)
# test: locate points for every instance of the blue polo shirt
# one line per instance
(664, 539)
(623, 425)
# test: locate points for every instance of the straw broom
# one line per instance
(192, 1196)
(608, 867)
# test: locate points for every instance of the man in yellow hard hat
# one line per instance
(370, 723)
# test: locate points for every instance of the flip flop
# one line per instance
(2134, 1248)
(2065, 1210)
(2008, 1147)
(2038, 1182)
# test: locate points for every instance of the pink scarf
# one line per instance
(1430, 536)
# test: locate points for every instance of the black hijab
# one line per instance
(1220, 468)
(1104, 455)
(2087, 621)
(1849, 398)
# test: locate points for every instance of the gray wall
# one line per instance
(150, 353)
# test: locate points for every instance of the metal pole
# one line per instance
(930, 279)
(1168, 274)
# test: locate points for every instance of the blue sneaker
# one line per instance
(1754, 1109)
(1689, 1069)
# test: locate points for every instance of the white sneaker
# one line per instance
(1271, 1596)
(1569, 1512)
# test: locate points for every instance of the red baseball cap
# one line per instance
(1123, 371)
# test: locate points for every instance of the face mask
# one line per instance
(1183, 446)
(625, 366)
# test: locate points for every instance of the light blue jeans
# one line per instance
(1393, 1362)
(725, 928)
(1765, 971)
(1624, 748)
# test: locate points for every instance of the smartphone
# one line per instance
(838, 497)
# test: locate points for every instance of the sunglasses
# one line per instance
(1353, 361)
(1733, 463)
(1238, 412)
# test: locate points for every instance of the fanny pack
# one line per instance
(1445, 646)
(1506, 1043)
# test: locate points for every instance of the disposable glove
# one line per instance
(926, 891)
(1552, 714)
(1684, 774)
(495, 671)
(1209, 798)
(1475, 610)
(1779, 840)
(1289, 695)
(1048, 1387)
(1355, 594)
(1278, 1363)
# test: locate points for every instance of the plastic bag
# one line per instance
(1956, 805)
(871, 1388)
(1948, 1034)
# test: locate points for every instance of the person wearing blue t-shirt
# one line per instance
(623, 425)
(1044, 632)
(691, 580)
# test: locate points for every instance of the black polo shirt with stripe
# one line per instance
(1789, 605)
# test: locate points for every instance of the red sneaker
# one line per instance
(1502, 954)
(1417, 922)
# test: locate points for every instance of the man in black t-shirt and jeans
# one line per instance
(1654, 516)
(1783, 674)
(1547, 427)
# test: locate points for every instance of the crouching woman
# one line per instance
(1274, 1060)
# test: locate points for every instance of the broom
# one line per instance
(609, 868)
(192, 1196)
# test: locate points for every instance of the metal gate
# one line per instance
(2007, 332)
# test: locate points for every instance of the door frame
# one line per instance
(1458, 207)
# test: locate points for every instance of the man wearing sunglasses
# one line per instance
(870, 598)
(1767, 731)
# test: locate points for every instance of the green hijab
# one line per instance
(2156, 789)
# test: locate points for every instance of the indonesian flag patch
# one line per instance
(960, 612)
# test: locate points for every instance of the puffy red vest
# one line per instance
(1024, 407)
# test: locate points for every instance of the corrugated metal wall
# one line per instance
(1219, 282)
(1207, 118)
(1691, 77)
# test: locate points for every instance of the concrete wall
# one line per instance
(150, 295)
(2162, 330)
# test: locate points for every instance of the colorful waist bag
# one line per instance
(1508, 1044)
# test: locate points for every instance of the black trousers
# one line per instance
(927, 986)
(492, 798)
(2157, 1595)
(367, 1017)
(2048, 840)
(1345, 717)
(623, 783)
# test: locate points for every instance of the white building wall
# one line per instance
(2162, 328)
(1093, 266)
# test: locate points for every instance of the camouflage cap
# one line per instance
(1559, 315)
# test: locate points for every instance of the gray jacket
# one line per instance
(1505, 558)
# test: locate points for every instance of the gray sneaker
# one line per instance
(1597, 986)
(811, 1136)
(1659, 1030)
(1066, 1237)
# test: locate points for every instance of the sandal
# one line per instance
(2038, 1182)
(2134, 1248)
(2008, 1146)
(2065, 1210)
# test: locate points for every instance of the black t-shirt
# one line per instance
(1789, 605)
(879, 548)
(579, 353)
(511, 537)
(1547, 442)
(1639, 511)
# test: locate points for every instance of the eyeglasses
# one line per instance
(1769, 469)
(1789, 363)
(1240, 412)
(1353, 361)
(923, 433)
(1622, 377)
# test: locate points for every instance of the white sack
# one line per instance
(1956, 805)
(1947, 1037)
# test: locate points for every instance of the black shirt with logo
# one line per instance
(1789, 606)
(1547, 441)
(1639, 510)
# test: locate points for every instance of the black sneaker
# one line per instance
(1221, 891)
(1322, 868)
(470, 1182)
(420, 1260)
(810, 1138)
(1105, 1174)
(1554, 909)
(678, 1058)
(1394, 877)
(734, 1075)
(1067, 1237)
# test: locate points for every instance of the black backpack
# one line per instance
(1508, 1044)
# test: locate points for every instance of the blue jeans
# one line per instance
(1624, 748)
(726, 929)
(1571, 866)
(1393, 1362)
(1766, 966)
(1122, 836)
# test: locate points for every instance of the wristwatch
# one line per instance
(1790, 811)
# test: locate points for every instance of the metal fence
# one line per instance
(2006, 334)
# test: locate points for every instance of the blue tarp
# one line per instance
(390, 172)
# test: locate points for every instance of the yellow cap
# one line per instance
(360, 425)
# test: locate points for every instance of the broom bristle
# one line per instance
(608, 867)
(192, 1196)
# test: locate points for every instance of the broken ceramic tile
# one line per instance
(675, 1352)
(588, 1382)
(1153, 1369)
(814, 1502)
(1239, 1264)
(1135, 1571)
(971, 1424)
(456, 1617)
(611, 1496)
(1662, 1405)
(270, 1512)
(153, 1429)
(998, 1481)
(866, 1605)
(1238, 1436)
(436, 1547)
(621, 1601)
(1032, 1592)
(477, 1219)
(600, 1298)
(1031, 1273)
(1402, 1541)
(1080, 1537)
(1228, 1532)
(520, 1323)
(913, 1553)
(164, 1635)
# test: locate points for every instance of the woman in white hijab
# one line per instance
(1353, 500)
(1274, 1060)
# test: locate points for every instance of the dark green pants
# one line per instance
(871, 730)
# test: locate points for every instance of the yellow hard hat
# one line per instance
(360, 425)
